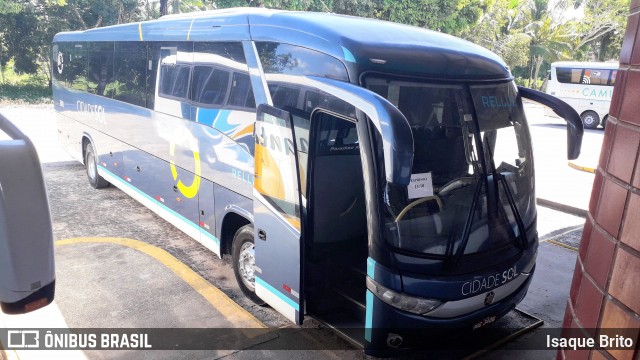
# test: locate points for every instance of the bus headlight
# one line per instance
(401, 301)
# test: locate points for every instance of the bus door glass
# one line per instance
(277, 215)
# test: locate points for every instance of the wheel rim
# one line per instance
(246, 262)
(91, 165)
(589, 120)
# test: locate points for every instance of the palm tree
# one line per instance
(550, 40)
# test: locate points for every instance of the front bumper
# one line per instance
(392, 328)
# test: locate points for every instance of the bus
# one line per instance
(587, 86)
(374, 176)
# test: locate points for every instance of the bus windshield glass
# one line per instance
(471, 183)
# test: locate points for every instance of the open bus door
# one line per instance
(279, 216)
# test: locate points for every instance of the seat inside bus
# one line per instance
(437, 137)
(439, 149)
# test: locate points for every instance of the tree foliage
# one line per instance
(531, 34)
(528, 34)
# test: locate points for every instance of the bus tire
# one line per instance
(91, 165)
(244, 261)
(604, 121)
(590, 119)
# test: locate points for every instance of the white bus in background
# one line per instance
(586, 86)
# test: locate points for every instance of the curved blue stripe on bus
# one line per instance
(277, 293)
(348, 56)
(164, 207)
(371, 267)
(368, 322)
(221, 123)
(207, 116)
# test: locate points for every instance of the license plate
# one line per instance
(484, 322)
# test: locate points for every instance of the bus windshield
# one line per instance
(471, 183)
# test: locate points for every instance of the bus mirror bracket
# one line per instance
(565, 111)
(27, 274)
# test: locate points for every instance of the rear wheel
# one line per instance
(590, 119)
(244, 262)
(91, 164)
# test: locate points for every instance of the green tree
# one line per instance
(449, 16)
(27, 30)
(87, 14)
(550, 38)
(549, 42)
(23, 34)
(527, 34)
(598, 36)
(9, 7)
(499, 29)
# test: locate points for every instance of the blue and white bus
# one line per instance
(372, 175)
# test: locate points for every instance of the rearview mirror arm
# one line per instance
(574, 123)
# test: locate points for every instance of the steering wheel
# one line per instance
(418, 202)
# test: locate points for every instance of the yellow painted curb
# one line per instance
(221, 302)
(582, 168)
(561, 244)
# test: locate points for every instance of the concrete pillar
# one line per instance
(605, 292)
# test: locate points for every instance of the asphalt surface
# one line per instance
(557, 184)
(79, 211)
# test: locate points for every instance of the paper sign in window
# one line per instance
(421, 185)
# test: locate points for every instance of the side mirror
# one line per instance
(565, 111)
(27, 274)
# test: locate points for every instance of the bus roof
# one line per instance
(582, 64)
(395, 47)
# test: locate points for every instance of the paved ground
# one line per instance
(134, 290)
(100, 213)
(556, 182)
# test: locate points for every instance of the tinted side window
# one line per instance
(181, 84)
(168, 75)
(596, 76)
(612, 79)
(209, 85)
(336, 137)
(288, 59)
(241, 92)
(70, 65)
(165, 72)
(130, 59)
(569, 75)
(100, 80)
(229, 50)
(323, 100)
(284, 96)
(221, 75)
(57, 62)
(174, 80)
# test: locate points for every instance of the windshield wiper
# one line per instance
(488, 145)
(485, 145)
(514, 209)
(467, 227)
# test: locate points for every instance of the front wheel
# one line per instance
(590, 119)
(91, 164)
(244, 262)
